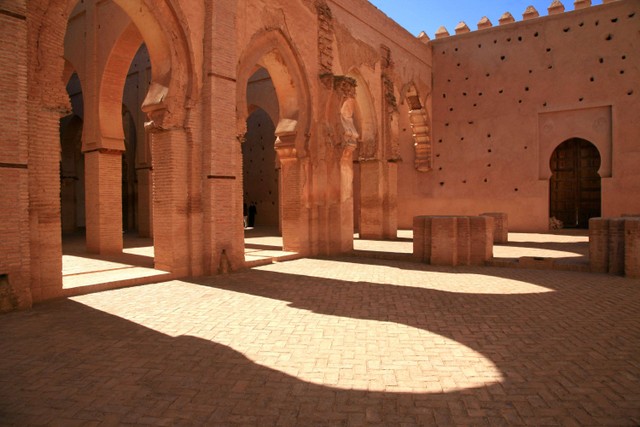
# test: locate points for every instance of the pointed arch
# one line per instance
(272, 51)
(112, 85)
(174, 87)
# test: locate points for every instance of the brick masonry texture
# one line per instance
(332, 342)
(480, 99)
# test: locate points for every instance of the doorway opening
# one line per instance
(575, 186)
(261, 174)
(129, 76)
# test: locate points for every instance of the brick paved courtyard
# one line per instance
(350, 341)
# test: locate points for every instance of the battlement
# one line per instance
(555, 8)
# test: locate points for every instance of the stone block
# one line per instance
(632, 248)
(463, 241)
(616, 246)
(482, 238)
(453, 240)
(444, 250)
(599, 245)
(500, 226)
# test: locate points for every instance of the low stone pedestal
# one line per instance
(453, 240)
(500, 227)
(614, 246)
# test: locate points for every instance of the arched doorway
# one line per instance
(260, 172)
(271, 61)
(574, 187)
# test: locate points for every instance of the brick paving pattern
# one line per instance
(315, 342)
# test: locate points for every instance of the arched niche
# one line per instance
(419, 121)
(574, 185)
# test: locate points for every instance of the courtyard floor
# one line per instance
(323, 342)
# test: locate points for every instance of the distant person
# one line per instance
(245, 213)
(253, 211)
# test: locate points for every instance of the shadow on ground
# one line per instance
(566, 355)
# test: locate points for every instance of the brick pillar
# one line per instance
(295, 230)
(616, 246)
(632, 248)
(171, 201)
(500, 226)
(15, 254)
(599, 245)
(444, 241)
(482, 237)
(390, 208)
(346, 200)
(103, 201)
(371, 199)
(145, 196)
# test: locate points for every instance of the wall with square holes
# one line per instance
(492, 89)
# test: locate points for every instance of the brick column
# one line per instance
(145, 211)
(171, 201)
(390, 207)
(345, 239)
(222, 226)
(15, 256)
(371, 199)
(103, 201)
(295, 231)
(632, 248)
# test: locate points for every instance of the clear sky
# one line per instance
(429, 15)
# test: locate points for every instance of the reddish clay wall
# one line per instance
(505, 97)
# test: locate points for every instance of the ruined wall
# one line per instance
(339, 104)
(505, 97)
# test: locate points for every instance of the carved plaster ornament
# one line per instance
(286, 133)
(394, 133)
(350, 135)
(155, 107)
(346, 89)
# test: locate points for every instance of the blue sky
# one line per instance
(429, 15)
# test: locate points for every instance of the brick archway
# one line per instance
(174, 66)
(273, 52)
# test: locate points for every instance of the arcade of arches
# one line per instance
(163, 118)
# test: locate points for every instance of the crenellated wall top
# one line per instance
(556, 7)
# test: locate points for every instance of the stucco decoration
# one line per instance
(591, 124)
(391, 119)
(325, 37)
(419, 120)
(354, 53)
(345, 88)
